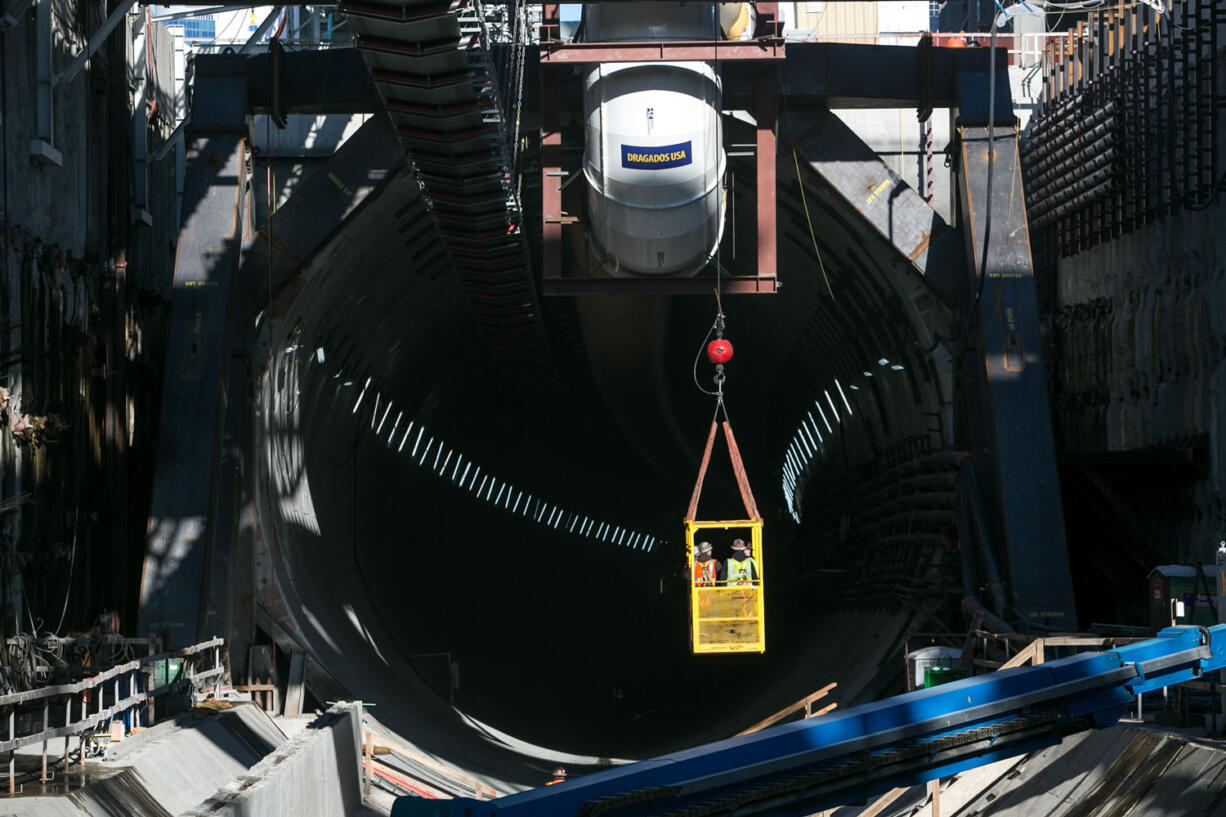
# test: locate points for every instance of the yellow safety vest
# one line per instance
(739, 570)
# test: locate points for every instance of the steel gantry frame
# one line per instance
(555, 53)
(1002, 400)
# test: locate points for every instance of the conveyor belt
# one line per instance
(807, 766)
(456, 113)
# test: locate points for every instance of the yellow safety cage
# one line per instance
(726, 617)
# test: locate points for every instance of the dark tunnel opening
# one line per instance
(501, 569)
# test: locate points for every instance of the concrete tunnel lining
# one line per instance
(547, 627)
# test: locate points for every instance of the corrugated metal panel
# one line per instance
(164, 85)
(836, 19)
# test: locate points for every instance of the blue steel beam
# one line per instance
(806, 766)
(175, 582)
(1005, 386)
(334, 80)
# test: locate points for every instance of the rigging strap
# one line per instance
(738, 467)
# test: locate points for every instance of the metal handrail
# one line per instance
(132, 702)
(14, 698)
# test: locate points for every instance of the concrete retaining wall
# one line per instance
(316, 772)
(237, 764)
(160, 772)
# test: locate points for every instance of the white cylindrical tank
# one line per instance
(654, 158)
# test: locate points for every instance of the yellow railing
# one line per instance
(727, 617)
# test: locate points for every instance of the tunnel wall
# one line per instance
(1139, 378)
(1141, 349)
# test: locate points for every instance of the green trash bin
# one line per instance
(168, 671)
(937, 674)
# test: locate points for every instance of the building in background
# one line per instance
(299, 26)
(902, 17)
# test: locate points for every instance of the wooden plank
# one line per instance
(367, 767)
(293, 692)
(1102, 642)
(883, 802)
(400, 777)
(480, 789)
(804, 703)
(1024, 656)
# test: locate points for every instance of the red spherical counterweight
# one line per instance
(719, 351)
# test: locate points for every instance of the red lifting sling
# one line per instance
(738, 468)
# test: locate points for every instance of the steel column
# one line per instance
(67, 737)
(551, 163)
(174, 583)
(46, 725)
(140, 119)
(766, 111)
(1007, 388)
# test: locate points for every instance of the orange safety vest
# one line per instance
(707, 571)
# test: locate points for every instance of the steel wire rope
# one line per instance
(721, 203)
(800, 182)
(72, 560)
(698, 356)
(717, 324)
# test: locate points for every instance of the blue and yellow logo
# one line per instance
(657, 158)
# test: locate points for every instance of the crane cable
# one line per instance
(717, 329)
(800, 182)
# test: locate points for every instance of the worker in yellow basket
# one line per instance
(742, 568)
(707, 569)
(559, 776)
